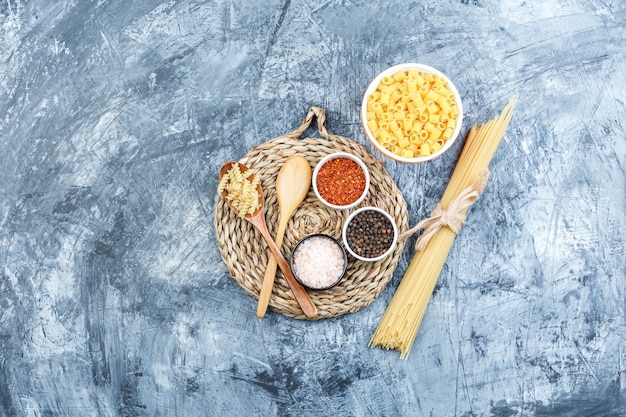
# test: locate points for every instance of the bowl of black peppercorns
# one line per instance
(370, 234)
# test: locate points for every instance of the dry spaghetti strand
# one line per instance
(399, 325)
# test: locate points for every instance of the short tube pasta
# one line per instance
(373, 126)
(412, 106)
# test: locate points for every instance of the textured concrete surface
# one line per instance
(115, 115)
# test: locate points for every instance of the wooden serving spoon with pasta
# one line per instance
(258, 220)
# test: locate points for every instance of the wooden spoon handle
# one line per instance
(300, 294)
(270, 274)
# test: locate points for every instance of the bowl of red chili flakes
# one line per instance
(341, 180)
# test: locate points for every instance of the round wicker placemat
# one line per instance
(245, 252)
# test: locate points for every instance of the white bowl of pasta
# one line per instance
(412, 113)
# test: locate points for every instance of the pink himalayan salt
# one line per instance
(318, 262)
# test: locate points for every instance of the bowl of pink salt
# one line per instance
(318, 262)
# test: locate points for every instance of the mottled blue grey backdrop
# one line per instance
(115, 115)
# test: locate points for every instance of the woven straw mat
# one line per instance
(246, 254)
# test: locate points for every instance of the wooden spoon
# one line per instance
(292, 186)
(258, 220)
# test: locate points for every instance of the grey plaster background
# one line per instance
(115, 115)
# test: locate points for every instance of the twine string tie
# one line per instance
(452, 217)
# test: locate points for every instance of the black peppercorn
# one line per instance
(369, 234)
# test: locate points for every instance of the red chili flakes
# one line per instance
(340, 181)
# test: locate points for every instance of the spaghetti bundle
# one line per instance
(398, 326)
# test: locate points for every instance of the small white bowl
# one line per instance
(335, 156)
(345, 237)
(426, 69)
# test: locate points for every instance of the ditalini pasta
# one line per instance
(398, 327)
(242, 193)
(420, 103)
